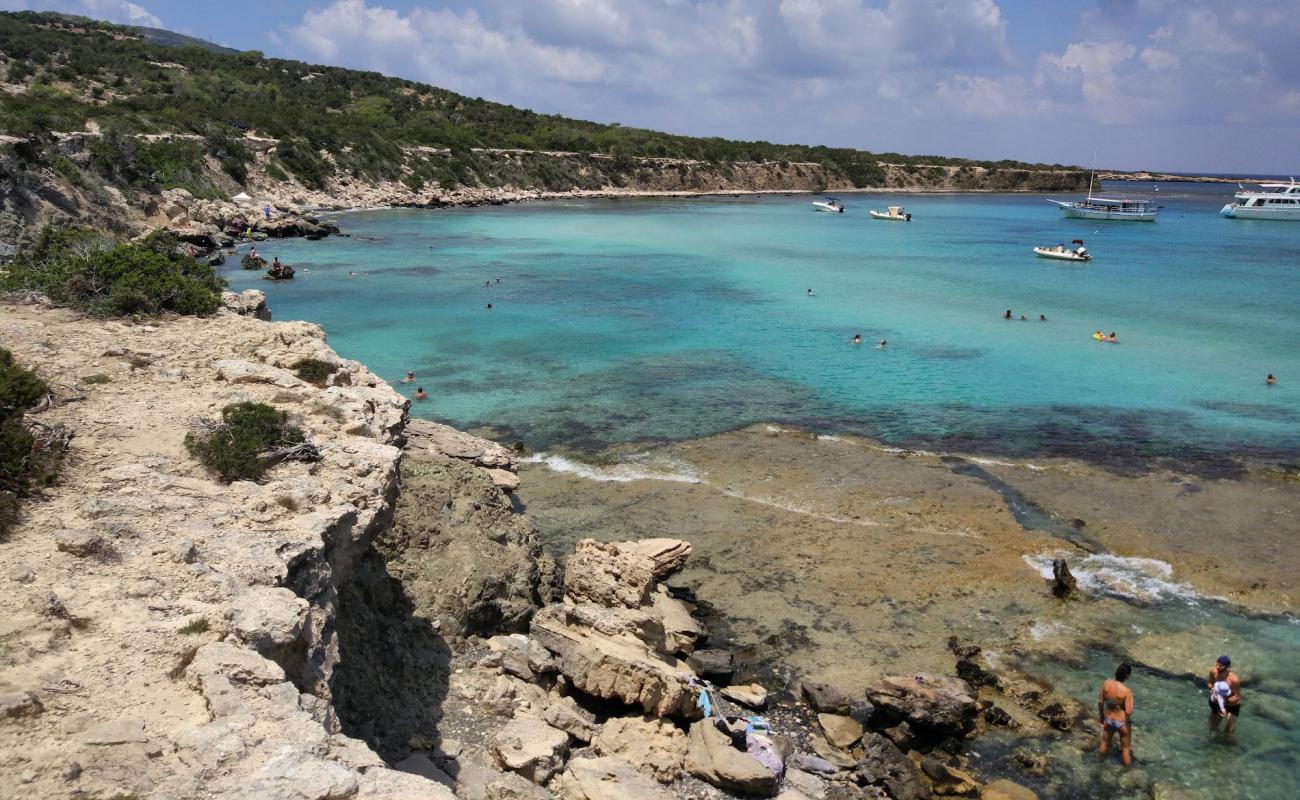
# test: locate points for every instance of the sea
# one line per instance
(587, 329)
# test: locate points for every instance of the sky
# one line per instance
(1172, 85)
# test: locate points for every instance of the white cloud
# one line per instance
(119, 11)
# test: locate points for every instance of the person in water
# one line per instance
(410, 378)
(1113, 337)
(1115, 710)
(1008, 316)
(489, 306)
(810, 294)
(1023, 318)
(1270, 380)
(857, 339)
(1042, 318)
(884, 343)
(1230, 694)
(420, 395)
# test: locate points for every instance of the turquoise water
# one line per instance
(634, 320)
(629, 320)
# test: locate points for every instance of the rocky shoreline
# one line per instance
(384, 623)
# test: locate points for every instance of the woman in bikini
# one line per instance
(1115, 710)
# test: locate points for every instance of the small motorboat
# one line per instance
(829, 204)
(1062, 253)
(894, 214)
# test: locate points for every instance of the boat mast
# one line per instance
(1092, 173)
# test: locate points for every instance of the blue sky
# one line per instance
(1187, 85)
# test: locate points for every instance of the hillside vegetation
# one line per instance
(73, 72)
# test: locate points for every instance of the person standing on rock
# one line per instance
(1115, 710)
(1222, 673)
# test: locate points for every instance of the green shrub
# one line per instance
(249, 440)
(83, 269)
(196, 625)
(28, 461)
(313, 370)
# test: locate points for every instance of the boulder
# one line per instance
(832, 755)
(237, 371)
(118, 731)
(84, 544)
(607, 779)
(420, 764)
(269, 618)
(653, 746)
(602, 655)
(571, 718)
(841, 731)
(711, 758)
(886, 766)
(503, 479)
(530, 748)
(1002, 789)
(750, 696)
(945, 780)
(477, 778)
(667, 555)
(19, 703)
(248, 303)
(716, 665)
(1063, 582)
(811, 764)
(932, 705)
(826, 698)
(681, 631)
(423, 435)
(602, 574)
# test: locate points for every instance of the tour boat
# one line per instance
(1108, 208)
(1062, 253)
(895, 213)
(829, 204)
(1272, 201)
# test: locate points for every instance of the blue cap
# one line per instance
(1224, 661)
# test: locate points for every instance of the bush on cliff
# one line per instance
(28, 461)
(250, 439)
(87, 270)
(313, 370)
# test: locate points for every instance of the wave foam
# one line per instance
(1145, 580)
(635, 468)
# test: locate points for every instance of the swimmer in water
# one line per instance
(489, 306)
(1008, 316)
(498, 280)
(810, 294)
(410, 378)
(857, 339)
(420, 395)
(1023, 318)
(884, 343)
(1042, 318)
(1112, 337)
(1270, 380)
(1115, 710)
(1231, 708)
(487, 284)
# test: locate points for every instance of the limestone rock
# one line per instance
(503, 479)
(613, 664)
(571, 718)
(812, 764)
(17, 703)
(750, 695)
(248, 303)
(713, 664)
(830, 754)
(933, 705)
(945, 780)
(668, 555)
(118, 731)
(826, 698)
(237, 371)
(607, 779)
(531, 748)
(711, 758)
(602, 574)
(422, 765)
(83, 544)
(269, 618)
(1002, 789)
(425, 436)
(387, 784)
(296, 775)
(681, 631)
(479, 779)
(653, 746)
(841, 731)
(882, 764)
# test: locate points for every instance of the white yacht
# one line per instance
(1108, 208)
(829, 204)
(1272, 201)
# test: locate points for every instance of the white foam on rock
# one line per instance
(1146, 580)
(635, 468)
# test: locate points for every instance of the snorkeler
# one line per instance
(1115, 711)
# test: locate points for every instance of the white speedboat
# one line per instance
(1062, 253)
(895, 213)
(829, 204)
(1272, 201)
(1108, 208)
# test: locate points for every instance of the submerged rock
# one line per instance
(1063, 582)
(932, 705)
